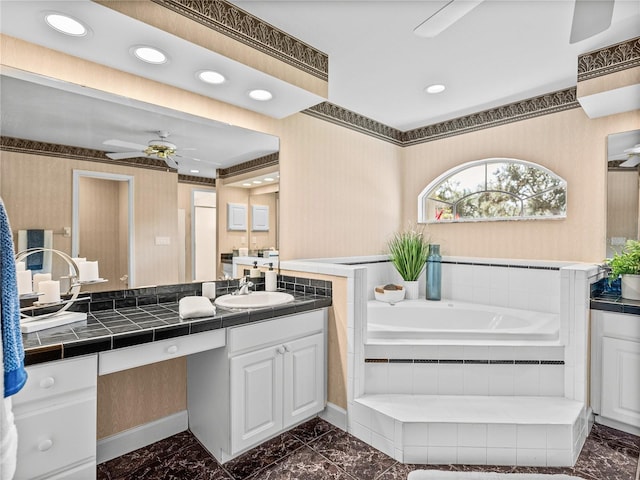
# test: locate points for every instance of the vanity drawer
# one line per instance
(131, 357)
(57, 378)
(274, 331)
(52, 438)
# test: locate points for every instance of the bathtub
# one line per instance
(453, 320)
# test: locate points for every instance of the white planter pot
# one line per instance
(411, 290)
(631, 287)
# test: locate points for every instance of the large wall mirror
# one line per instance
(177, 231)
(623, 193)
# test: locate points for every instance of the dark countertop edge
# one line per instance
(224, 319)
(616, 304)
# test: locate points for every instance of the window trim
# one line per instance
(423, 196)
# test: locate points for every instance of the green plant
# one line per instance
(627, 262)
(408, 252)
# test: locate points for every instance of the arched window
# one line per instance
(493, 189)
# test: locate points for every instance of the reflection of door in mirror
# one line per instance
(102, 232)
(204, 235)
(623, 192)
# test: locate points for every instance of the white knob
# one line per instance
(280, 349)
(47, 382)
(45, 445)
(287, 348)
(172, 349)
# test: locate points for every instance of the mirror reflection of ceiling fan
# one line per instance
(158, 148)
(590, 17)
(632, 156)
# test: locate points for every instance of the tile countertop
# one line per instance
(612, 302)
(128, 326)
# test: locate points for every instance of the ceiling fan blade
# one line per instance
(445, 17)
(633, 161)
(590, 17)
(633, 150)
(621, 156)
(123, 155)
(120, 143)
(171, 162)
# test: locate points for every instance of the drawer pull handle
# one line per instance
(172, 349)
(47, 382)
(287, 348)
(45, 445)
(280, 349)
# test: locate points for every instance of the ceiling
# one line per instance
(501, 52)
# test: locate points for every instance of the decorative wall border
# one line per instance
(513, 112)
(226, 18)
(267, 161)
(464, 361)
(20, 145)
(615, 58)
(194, 180)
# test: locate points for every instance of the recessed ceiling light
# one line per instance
(209, 76)
(268, 179)
(261, 95)
(257, 182)
(149, 54)
(194, 171)
(436, 88)
(246, 184)
(65, 24)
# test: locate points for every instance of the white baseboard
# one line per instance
(607, 422)
(111, 447)
(335, 415)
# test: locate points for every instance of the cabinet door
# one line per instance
(256, 397)
(621, 380)
(304, 378)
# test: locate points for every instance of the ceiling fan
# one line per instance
(590, 17)
(158, 148)
(632, 156)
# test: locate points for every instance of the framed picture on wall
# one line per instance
(259, 218)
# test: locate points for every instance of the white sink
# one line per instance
(254, 300)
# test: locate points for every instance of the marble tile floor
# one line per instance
(316, 450)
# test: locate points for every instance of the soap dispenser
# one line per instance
(255, 271)
(271, 279)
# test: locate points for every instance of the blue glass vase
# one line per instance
(434, 273)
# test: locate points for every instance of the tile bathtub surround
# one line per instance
(318, 451)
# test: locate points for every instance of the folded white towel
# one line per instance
(195, 307)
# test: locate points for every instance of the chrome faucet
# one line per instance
(244, 286)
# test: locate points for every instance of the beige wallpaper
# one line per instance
(568, 143)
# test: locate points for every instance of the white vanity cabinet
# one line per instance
(615, 385)
(271, 376)
(55, 415)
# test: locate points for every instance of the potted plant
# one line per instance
(627, 265)
(408, 253)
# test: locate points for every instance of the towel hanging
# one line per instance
(15, 375)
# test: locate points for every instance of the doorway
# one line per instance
(103, 226)
(203, 236)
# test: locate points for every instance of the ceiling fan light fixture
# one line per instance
(261, 95)
(149, 54)
(435, 88)
(65, 24)
(209, 76)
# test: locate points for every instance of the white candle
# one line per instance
(77, 261)
(88, 271)
(40, 277)
(209, 290)
(50, 290)
(24, 282)
(21, 266)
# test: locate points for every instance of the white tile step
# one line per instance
(474, 409)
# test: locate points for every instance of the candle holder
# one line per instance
(32, 323)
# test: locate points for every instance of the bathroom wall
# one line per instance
(568, 143)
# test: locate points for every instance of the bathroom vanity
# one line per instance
(615, 363)
(256, 365)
